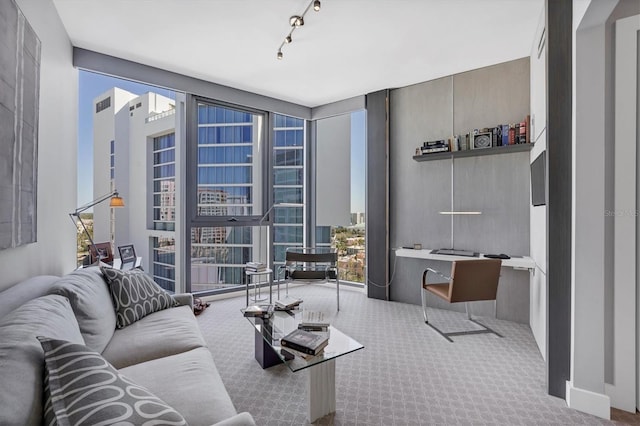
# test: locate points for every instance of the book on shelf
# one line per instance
(314, 319)
(287, 303)
(305, 341)
(262, 311)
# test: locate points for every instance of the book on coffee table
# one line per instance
(305, 341)
(287, 303)
(313, 320)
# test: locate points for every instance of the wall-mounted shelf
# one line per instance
(475, 152)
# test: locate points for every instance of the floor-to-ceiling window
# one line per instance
(341, 221)
(228, 195)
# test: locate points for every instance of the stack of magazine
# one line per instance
(255, 267)
(287, 303)
(313, 321)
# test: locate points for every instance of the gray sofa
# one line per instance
(164, 351)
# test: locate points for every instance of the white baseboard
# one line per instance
(588, 402)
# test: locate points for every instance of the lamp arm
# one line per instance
(94, 202)
(266, 214)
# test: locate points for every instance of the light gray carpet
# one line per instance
(406, 375)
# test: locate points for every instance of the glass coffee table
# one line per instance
(321, 369)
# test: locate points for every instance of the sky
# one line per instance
(93, 85)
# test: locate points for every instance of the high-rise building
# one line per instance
(134, 151)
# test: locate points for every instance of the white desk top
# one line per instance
(262, 272)
(524, 262)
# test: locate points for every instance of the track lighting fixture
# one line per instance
(295, 22)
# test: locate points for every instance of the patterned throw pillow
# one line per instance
(135, 295)
(81, 387)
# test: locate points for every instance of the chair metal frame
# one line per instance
(307, 263)
(451, 282)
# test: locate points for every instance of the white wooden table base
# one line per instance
(321, 390)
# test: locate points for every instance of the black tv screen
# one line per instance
(539, 180)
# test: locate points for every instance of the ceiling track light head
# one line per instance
(296, 21)
(279, 54)
(316, 5)
(288, 39)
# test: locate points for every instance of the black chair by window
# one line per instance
(310, 264)
(470, 280)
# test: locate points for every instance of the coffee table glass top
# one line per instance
(282, 323)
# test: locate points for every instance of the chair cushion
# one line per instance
(29, 289)
(22, 357)
(160, 334)
(135, 295)
(81, 387)
(441, 290)
(90, 299)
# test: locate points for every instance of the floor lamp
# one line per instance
(262, 220)
(116, 201)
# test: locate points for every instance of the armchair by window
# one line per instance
(470, 280)
(310, 263)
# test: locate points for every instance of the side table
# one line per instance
(256, 278)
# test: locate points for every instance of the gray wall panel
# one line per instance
(498, 185)
(493, 95)
(377, 196)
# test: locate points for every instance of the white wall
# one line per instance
(538, 214)
(54, 251)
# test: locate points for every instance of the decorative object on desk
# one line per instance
(417, 246)
(127, 254)
(101, 252)
(287, 303)
(260, 311)
(115, 201)
(305, 341)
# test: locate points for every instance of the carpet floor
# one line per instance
(407, 374)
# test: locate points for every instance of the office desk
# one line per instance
(524, 262)
(513, 300)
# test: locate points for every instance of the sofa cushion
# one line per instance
(135, 295)
(193, 386)
(29, 289)
(90, 299)
(162, 333)
(22, 357)
(82, 388)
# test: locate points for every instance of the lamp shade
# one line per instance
(116, 201)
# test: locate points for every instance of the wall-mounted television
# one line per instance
(539, 180)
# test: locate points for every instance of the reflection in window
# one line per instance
(164, 182)
(164, 260)
(218, 256)
(288, 178)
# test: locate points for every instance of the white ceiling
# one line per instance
(349, 48)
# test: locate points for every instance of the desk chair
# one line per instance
(470, 280)
(310, 263)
